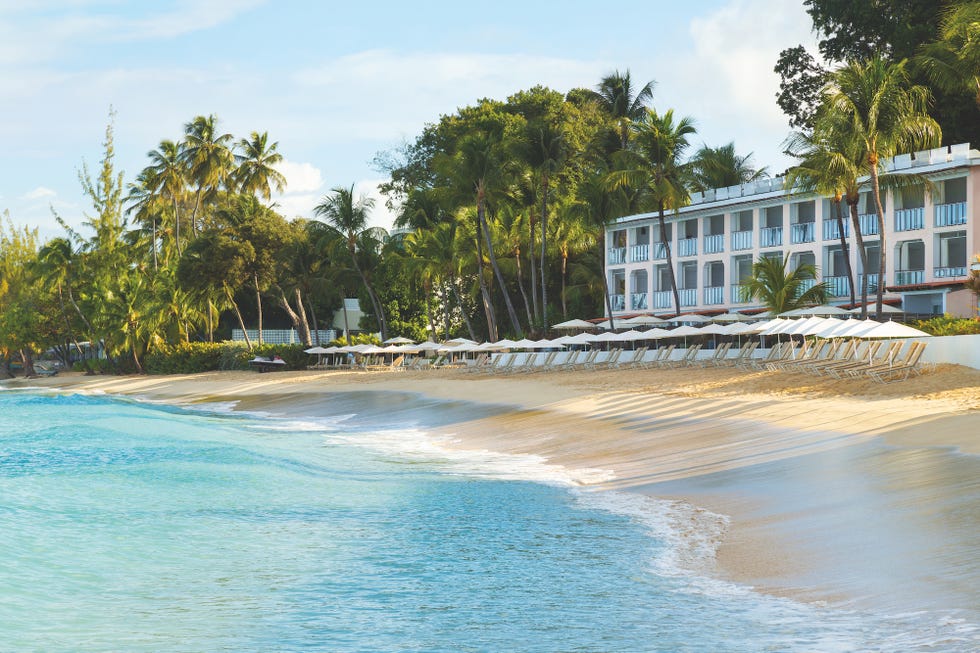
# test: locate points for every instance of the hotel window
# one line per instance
(951, 252)
(689, 275)
(742, 221)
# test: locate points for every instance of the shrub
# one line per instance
(193, 357)
(947, 325)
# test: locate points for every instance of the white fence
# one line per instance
(282, 336)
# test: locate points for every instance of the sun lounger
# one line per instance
(780, 351)
(634, 360)
(865, 361)
(846, 351)
(719, 354)
(389, 367)
(744, 354)
(502, 363)
(43, 370)
(661, 359)
(547, 362)
(903, 368)
(608, 361)
(690, 355)
(821, 351)
(572, 360)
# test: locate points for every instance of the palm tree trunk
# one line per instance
(297, 316)
(839, 214)
(258, 304)
(154, 244)
(544, 251)
(859, 239)
(176, 227)
(343, 304)
(520, 283)
(605, 279)
(670, 261)
(427, 287)
(481, 216)
(564, 274)
(238, 314)
(880, 290)
(316, 324)
(379, 314)
(444, 298)
(534, 273)
(485, 292)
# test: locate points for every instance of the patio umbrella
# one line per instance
(854, 330)
(428, 345)
(643, 320)
(574, 324)
(605, 324)
(894, 330)
(460, 341)
(581, 339)
(823, 311)
(885, 308)
(730, 317)
(316, 350)
(693, 318)
(398, 340)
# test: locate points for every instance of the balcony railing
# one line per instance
(714, 295)
(663, 299)
(771, 237)
(946, 272)
(618, 302)
(838, 286)
(659, 251)
(802, 232)
(735, 292)
(714, 243)
(689, 296)
(869, 224)
(831, 230)
(805, 285)
(616, 255)
(872, 281)
(909, 277)
(639, 253)
(910, 219)
(948, 215)
(687, 247)
(638, 301)
(741, 240)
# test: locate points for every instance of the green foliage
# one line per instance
(947, 325)
(194, 357)
(356, 339)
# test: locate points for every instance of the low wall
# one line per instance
(962, 350)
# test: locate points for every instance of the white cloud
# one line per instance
(38, 193)
(300, 177)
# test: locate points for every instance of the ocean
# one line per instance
(132, 526)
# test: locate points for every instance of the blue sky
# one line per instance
(334, 83)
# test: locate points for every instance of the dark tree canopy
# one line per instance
(801, 79)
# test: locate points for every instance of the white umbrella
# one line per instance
(316, 350)
(823, 310)
(805, 327)
(739, 328)
(826, 326)
(574, 324)
(885, 308)
(581, 339)
(606, 325)
(893, 330)
(631, 336)
(398, 340)
(730, 317)
(854, 330)
(608, 336)
(714, 329)
(685, 331)
(693, 318)
(428, 345)
(643, 320)
(460, 341)
(656, 333)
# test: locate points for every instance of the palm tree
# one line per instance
(339, 210)
(208, 159)
(654, 168)
(168, 170)
(953, 62)
(616, 95)
(720, 167)
(825, 170)
(571, 236)
(782, 291)
(873, 106)
(256, 172)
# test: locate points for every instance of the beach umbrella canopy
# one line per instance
(581, 339)
(632, 336)
(693, 318)
(398, 340)
(714, 329)
(606, 325)
(656, 333)
(739, 328)
(885, 308)
(316, 350)
(574, 324)
(805, 326)
(608, 336)
(428, 345)
(894, 330)
(684, 331)
(643, 320)
(854, 329)
(823, 310)
(730, 317)
(460, 341)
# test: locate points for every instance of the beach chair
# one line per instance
(690, 355)
(821, 351)
(902, 368)
(662, 357)
(529, 363)
(503, 364)
(554, 363)
(634, 360)
(744, 353)
(806, 353)
(571, 360)
(865, 359)
(546, 363)
(719, 354)
(480, 361)
(845, 351)
(608, 361)
(389, 367)
(781, 351)
(889, 358)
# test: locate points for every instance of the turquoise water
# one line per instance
(126, 526)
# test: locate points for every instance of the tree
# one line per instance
(167, 171)
(872, 106)
(782, 291)
(953, 61)
(616, 94)
(208, 160)
(340, 210)
(800, 82)
(256, 172)
(720, 167)
(654, 168)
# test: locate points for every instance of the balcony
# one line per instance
(638, 301)
(714, 243)
(687, 247)
(805, 285)
(945, 273)
(741, 240)
(689, 296)
(714, 295)
(838, 286)
(659, 252)
(831, 230)
(802, 232)
(950, 215)
(616, 255)
(618, 302)
(663, 299)
(869, 224)
(910, 219)
(639, 253)
(872, 281)
(909, 277)
(771, 237)
(735, 292)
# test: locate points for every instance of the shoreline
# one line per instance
(687, 435)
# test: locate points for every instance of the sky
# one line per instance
(336, 83)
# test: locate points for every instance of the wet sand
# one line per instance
(843, 491)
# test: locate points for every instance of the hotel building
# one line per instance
(931, 235)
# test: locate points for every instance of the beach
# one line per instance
(846, 491)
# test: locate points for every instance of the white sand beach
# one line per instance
(774, 451)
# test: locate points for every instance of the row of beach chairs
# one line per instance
(839, 359)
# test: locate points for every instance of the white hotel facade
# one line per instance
(931, 238)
